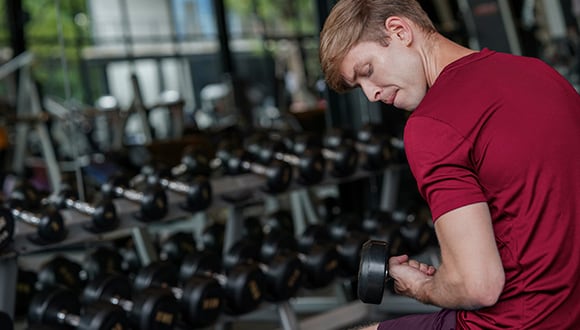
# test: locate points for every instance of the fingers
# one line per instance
(404, 259)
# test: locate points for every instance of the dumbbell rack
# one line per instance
(249, 184)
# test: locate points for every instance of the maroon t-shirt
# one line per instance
(505, 130)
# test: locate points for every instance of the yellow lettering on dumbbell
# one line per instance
(331, 265)
(68, 277)
(23, 288)
(254, 290)
(293, 278)
(160, 203)
(164, 317)
(55, 226)
(117, 326)
(211, 303)
(186, 247)
(109, 215)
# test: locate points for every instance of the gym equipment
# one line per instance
(103, 260)
(310, 164)
(320, 262)
(193, 162)
(25, 290)
(103, 214)
(49, 224)
(343, 159)
(6, 321)
(373, 271)
(25, 195)
(282, 273)
(376, 151)
(6, 229)
(236, 161)
(60, 307)
(149, 309)
(243, 284)
(212, 237)
(197, 191)
(153, 200)
(201, 297)
(176, 246)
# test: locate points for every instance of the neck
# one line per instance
(438, 52)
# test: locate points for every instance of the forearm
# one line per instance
(444, 291)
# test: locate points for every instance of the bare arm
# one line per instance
(471, 273)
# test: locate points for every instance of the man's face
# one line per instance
(394, 74)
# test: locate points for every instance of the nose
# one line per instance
(373, 93)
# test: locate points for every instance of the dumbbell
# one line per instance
(103, 214)
(149, 309)
(153, 200)
(197, 191)
(373, 271)
(201, 297)
(310, 164)
(282, 273)
(344, 158)
(25, 195)
(60, 307)
(319, 261)
(62, 271)
(369, 131)
(236, 161)
(417, 230)
(347, 239)
(6, 228)
(49, 223)
(377, 151)
(243, 284)
(176, 246)
(193, 163)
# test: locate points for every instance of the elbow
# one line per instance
(485, 292)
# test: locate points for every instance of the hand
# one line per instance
(409, 275)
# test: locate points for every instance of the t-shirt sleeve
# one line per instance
(440, 160)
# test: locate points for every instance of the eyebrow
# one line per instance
(355, 71)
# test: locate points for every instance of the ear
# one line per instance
(399, 28)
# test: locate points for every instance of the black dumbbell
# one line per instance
(193, 163)
(6, 322)
(320, 261)
(197, 190)
(343, 159)
(62, 271)
(25, 289)
(236, 161)
(103, 214)
(283, 272)
(373, 271)
(368, 132)
(153, 200)
(60, 307)
(310, 164)
(243, 284)
(25, 195)
(49, 223)
(6, 228)
(212, 237)
(345, 236)
(201, 297)
(376, 150)
(149, 309)
(176, 246)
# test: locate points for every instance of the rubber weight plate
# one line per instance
(373, 271)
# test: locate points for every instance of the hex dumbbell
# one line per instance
(243, 284)
(152, 201)
(282, 273)
(320, 261)
(103, 214)
(201, 297)
(343, 159)
(236, 161)
(310, 164)
(49, 223)
(60, 307)
(376, 150)
(149, 309)
(197, 191)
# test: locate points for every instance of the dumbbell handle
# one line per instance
(68, 319)
(129, 194)
(25, 216)
(82, 207)
(127, 305)
(176, 186)
(287, 158)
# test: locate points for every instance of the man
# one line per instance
(494, 143)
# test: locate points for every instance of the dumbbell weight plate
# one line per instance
(373, 271)
(46, 304)
(202, 301)
(6, 228)
(103, 316)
